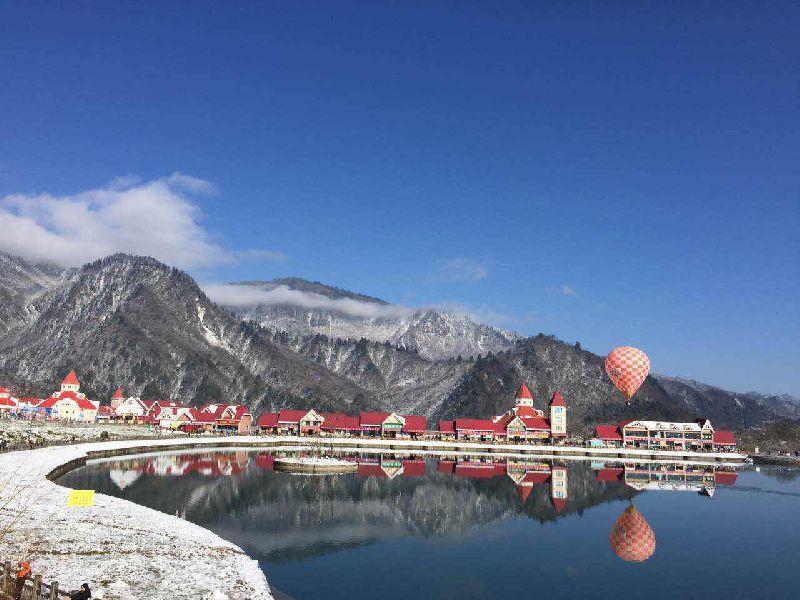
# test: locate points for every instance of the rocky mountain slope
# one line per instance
(309, 307)
(21, 283)
(135, 322)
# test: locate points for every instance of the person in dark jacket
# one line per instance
(83, 594)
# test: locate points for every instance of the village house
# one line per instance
(7, 402)
(68, 403)
(665, 435)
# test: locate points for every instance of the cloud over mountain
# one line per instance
(158, 218)
(245, 295)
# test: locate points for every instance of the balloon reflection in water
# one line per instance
(632, 538)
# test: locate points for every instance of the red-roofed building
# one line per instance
(104, 413)
(7, 402)
(559, 490)
(414, 468)
(610, 435)
(610, 474)
(69, 404)
(383, 424)
(415, 425)
(232, 417)
(475, 429)
(524, 422)
(447, 430)
(268, 423)
(725, 477)
(299, 422)
(724, 440)
(117, 399)
(340, 424)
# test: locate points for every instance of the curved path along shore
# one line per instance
(125, 550)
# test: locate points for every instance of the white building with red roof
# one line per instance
(7, 402)
(68, 403)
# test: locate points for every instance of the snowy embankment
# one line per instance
(123, 550)
(16, 433)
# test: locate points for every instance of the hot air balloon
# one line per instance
(628, 368)
(632, 538)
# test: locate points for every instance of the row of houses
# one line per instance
(68, 403)
(522, 423)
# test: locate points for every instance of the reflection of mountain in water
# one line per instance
(278, 517)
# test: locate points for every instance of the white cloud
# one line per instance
(463, 270)
(154, 218)
(245, 295)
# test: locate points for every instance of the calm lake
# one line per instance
(426, 528)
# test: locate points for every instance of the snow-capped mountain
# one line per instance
(133, 321)
(305, 307)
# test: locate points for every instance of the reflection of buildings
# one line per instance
(124, 473)
(668, 477)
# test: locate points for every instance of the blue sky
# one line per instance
(609, 174)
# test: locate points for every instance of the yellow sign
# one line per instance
(81, 498)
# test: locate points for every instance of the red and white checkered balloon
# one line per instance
(628, 368)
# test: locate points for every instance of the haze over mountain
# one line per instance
(135, 322)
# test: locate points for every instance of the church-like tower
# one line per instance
(71, 383)
(524, 396)
(558, 416)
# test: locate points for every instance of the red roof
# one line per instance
(82, 403)
(265, 461)
(475, 425)
(724, 438)
(447, 426)
(414, 468)
(725, 477)
(105, 411)
(526, 411)
(536, 423)
(291, 416)
(373, 419)
(445, 466)
(608, 433)
(479, 470)
(7, 402)
(557, 400)
(415, 424)
(339, 422)
(118, 394)
(369, 469)
(610, 474)
(535, 477)
(198, 416)
(524, 393)
(71, 379)
(268, 420)
(559, 503)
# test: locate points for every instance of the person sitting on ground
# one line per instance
(83, 594)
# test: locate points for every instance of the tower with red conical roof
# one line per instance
(558, 416)
(117, 398)
(524, 396)
(71, 383)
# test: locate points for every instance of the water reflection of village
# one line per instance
(648, 476)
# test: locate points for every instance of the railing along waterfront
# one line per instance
(32, 588)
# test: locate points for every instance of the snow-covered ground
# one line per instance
(123, 550)
(17, 432)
